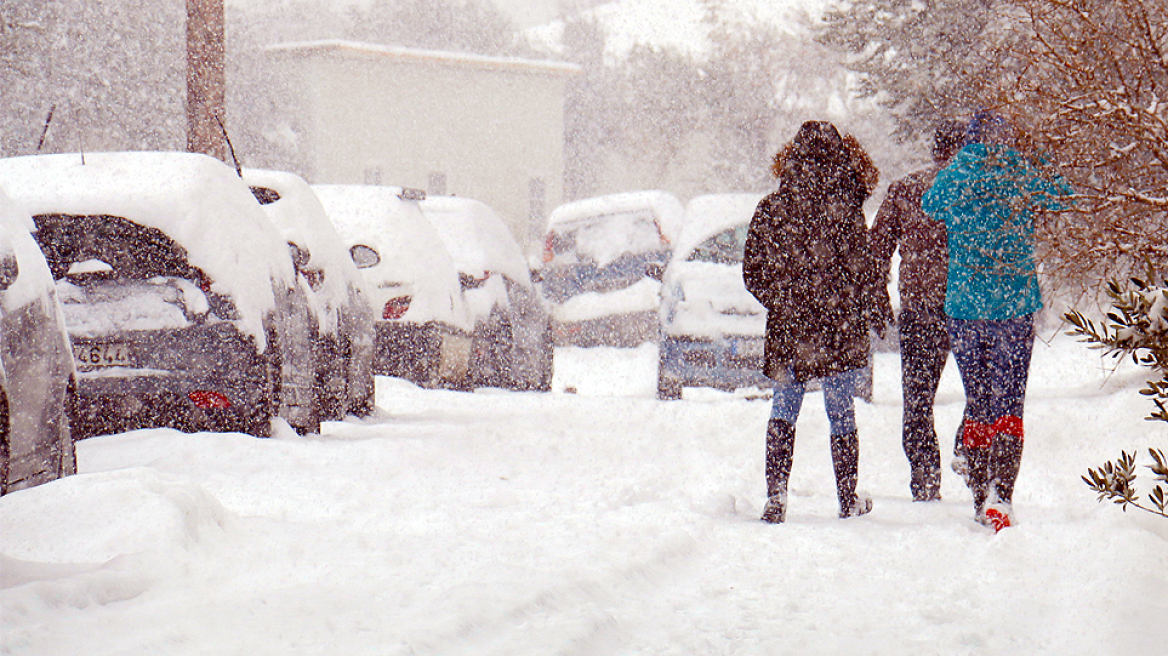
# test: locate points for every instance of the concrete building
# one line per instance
(488, 128)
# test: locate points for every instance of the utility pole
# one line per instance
(205, 78)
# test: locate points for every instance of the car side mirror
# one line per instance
(9, 270)
(364, 256)
(300, 256)
(655, 270)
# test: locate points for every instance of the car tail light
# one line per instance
(207, 399)
(396, 308)
(549, 252)
(470, 282)
(660, 233)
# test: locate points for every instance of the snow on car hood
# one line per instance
(198, 201)
(476, 238)
(708, 299)
(301, 219)
(709, 214)
(642, 296)
(414, 261)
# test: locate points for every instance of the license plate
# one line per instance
(113, 354)
(746, 348)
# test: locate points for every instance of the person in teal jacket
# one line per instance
(987, 197)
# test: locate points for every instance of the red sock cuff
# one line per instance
(1010, 425)
(976, 435)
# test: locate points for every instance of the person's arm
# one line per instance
(756, 267)
(768, 268)
(939, 196)
(885, 233)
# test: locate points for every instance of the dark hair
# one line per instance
(948, 139)
(986, 126)
(817, 141)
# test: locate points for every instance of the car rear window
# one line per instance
(116, 275)
(130, 251)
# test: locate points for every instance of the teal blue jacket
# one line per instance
(987, 197)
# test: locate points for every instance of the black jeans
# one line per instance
(924, 347)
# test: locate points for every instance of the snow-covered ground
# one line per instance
(601, 522)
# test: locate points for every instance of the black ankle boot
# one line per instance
(780, 446)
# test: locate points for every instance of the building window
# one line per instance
(436, 185)
(373, 175)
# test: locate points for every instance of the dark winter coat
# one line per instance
(807, 261)
(924, 255)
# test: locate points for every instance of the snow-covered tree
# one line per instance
(741, 87)
(590, 108)
(1093, 92)
(925, 60)
(263, 111)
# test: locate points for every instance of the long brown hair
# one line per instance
(859, 158)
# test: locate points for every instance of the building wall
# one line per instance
(486, 128)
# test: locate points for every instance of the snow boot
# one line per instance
(997, 515)
(920, 445)
(1005, 459)
(780, 447)
(977, 439)
(845, 458)
(925, 483)
(979, 474)
(960, 464)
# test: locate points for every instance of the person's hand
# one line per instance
(879, 315)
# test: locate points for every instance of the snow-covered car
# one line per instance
(422, 328)
(36, 365)
(712, 329)
(180, 298)
(512, 338)
(342, 330)
(602, 265)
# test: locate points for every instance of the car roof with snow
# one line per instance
(665, 206)
(301, 218)
(412, 253)
(196, 200)
(709, 214)
(477, 239)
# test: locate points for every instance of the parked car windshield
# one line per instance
(604, 239)
(726, 247)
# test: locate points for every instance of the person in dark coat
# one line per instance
(987, 198)
(807, 262)
(924, 342)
